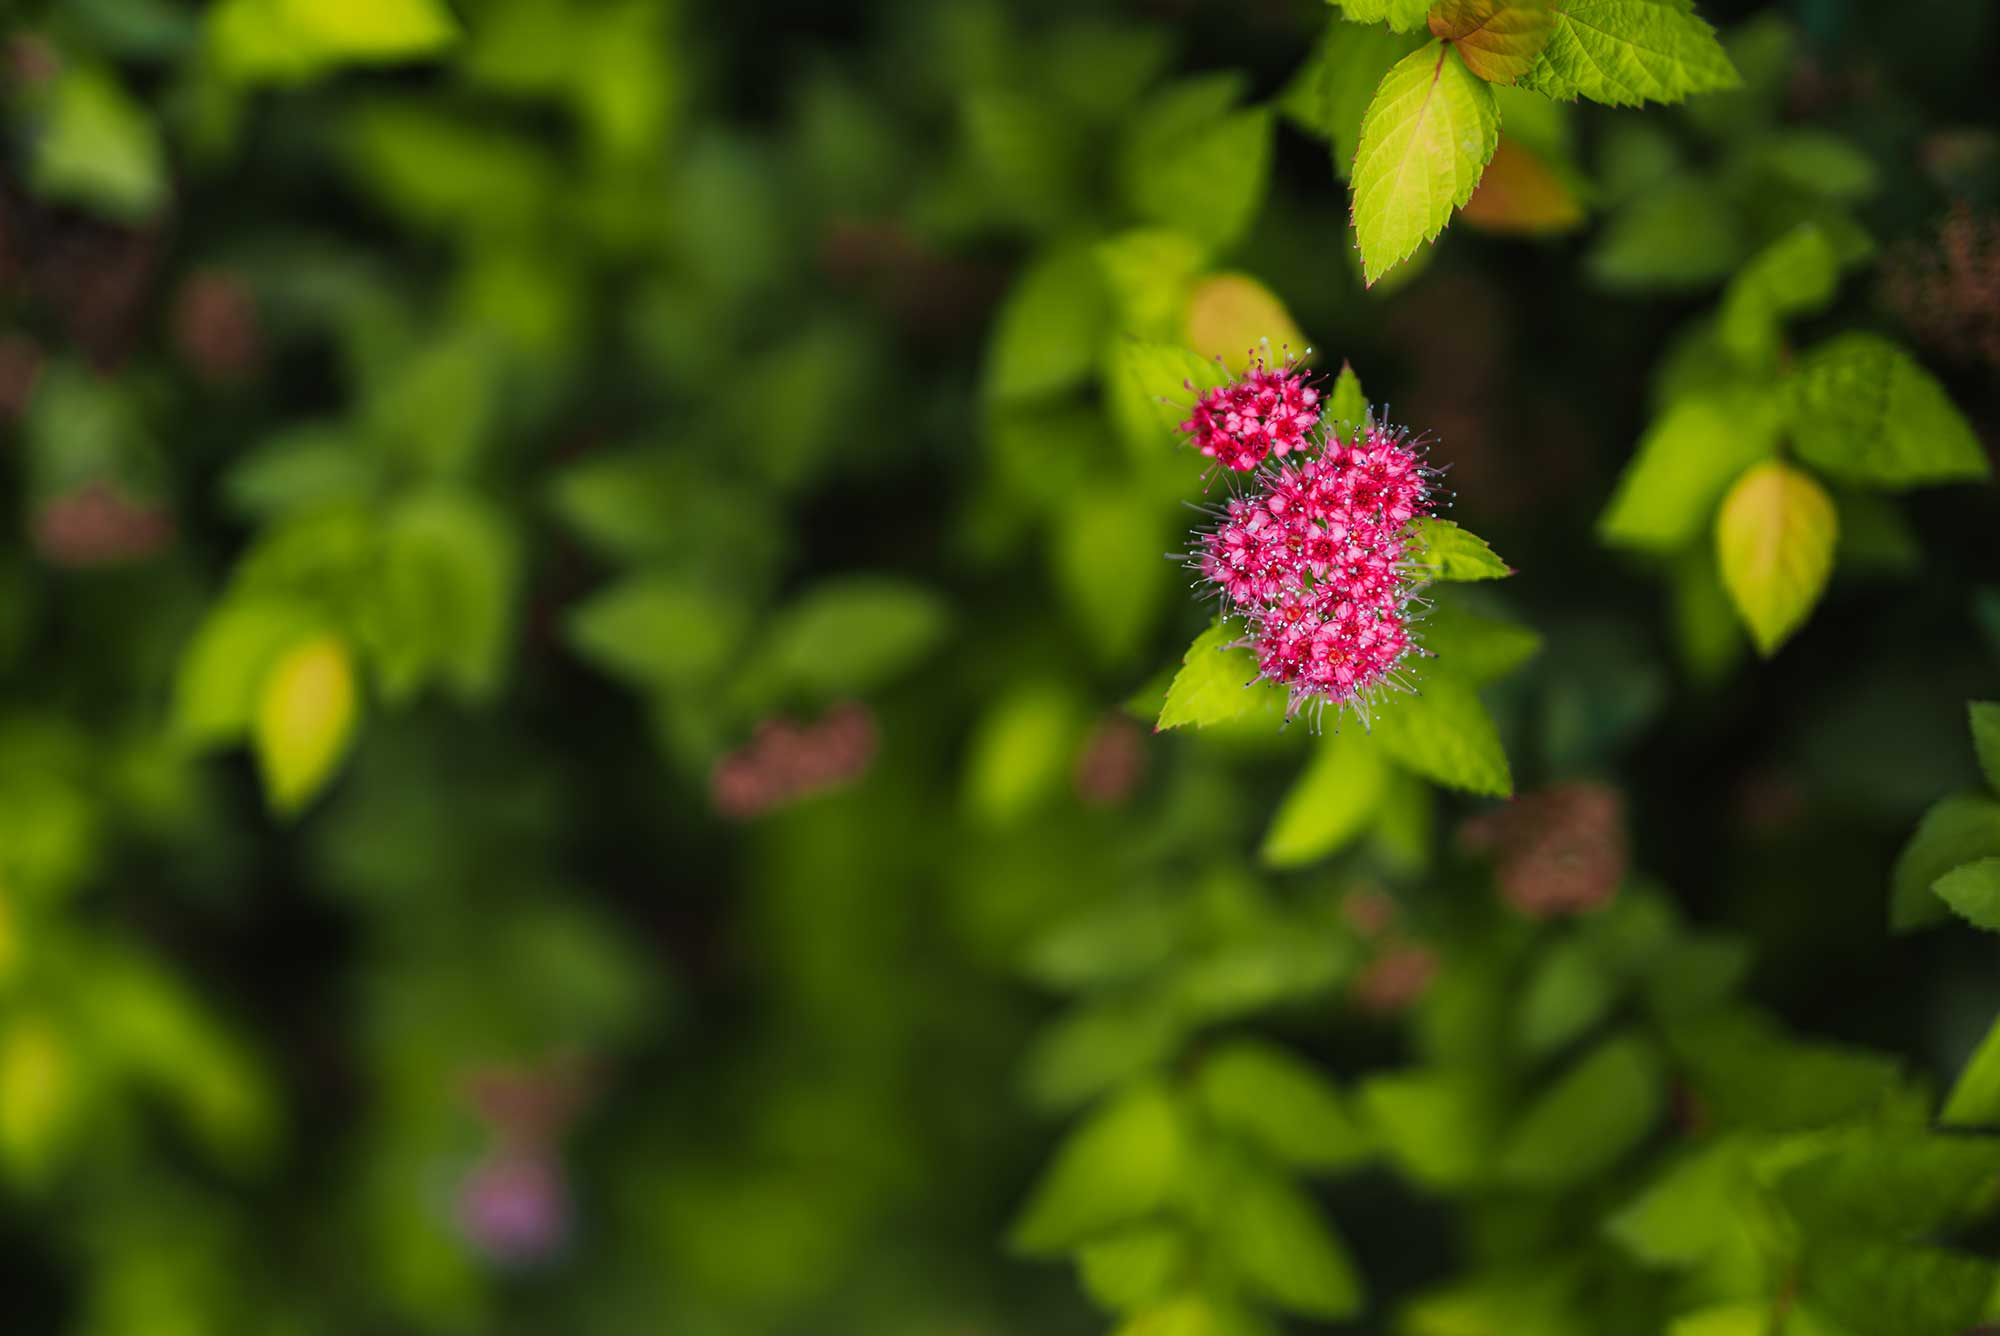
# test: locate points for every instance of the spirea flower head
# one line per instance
(1315, 554)
(1259, 414)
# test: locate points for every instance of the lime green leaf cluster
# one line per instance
(1426, 137)
(1625, 52)
(1953, 858)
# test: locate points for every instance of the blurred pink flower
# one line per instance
(1562, 850)
(515, 1207)
(785, 761)
(1112, 762)
(215, 327)
(1396, 979)
(98, 525)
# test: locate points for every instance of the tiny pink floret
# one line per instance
(1260, 414)
(1315, 553)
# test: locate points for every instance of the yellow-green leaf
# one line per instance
(1445, 735)
(1216, 683)
(1625, 52)
(1330, 803)
(1424, 141)
(1774, 539)
(1451, 553)
(306, 712)
(1234, 317)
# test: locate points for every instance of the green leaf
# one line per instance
(1688, 1210)
(98, 148)
(1444, 734)
(1282, 1105)
(1216, 682)
(1135, 1266)
(1346, 406)
(1667, 495)
(1047, 335)
(1625, 52)
(1400, 15)
(1877, 1288)
(1233, 317)
(1021, 751)
(851, 634)
(1153, 385)
(1985, 716)
(1794, 275)
(215, 688)
(658, 631)
(1196, 1315)
(1680, 234)
(1425, 139)
(1100, 1046)
(1121, 1164)
(1282, 1248)
(1148, 272)
(1864, 410)
(1570, 991)
(1774, 539)
(1749, 1073)
(1352, 61)
(1472, 646)
(1452, 553)
(1973, 891)
(445, 596)
(1589, 1119)
(1110, 565)
(1435, 1125)
(1905, 1183)
(1975, 1097)
(1956, 830)
(307, 708)
(292, 40)
(1329, 805)
(1193, 165)
(1499, 40)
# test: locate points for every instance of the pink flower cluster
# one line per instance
(1260, 414)
(1315, 553)
(786, 761)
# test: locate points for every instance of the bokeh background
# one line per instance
(580, 629)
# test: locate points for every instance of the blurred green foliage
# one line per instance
(595, 734)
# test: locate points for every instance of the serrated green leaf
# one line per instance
(1120, 1165)
(1774, 540)
(1956, 830)
(1329, 805)
(1282, 1105)
(1216, 682)
(1445, 735)
(1400, 15)
(1687, 459)
(1985, 717)
(1451, 553)
(1864, 410)
(1498, 39)
(1625, 52)
(1283, 1250)
(1425, 139)
(1351, 62)
(1973, 892)
(1593, 1115)
(1346, 406)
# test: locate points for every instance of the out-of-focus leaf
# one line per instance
(1473, 646)
(1021, 752)
(1282, 1248)
(1329, 805)
(1135, 1266)
(1122, 1164)
(657, 630)
(1520, 194)
(1685, 462)
(290, 40)
(1973, 892)
(1444, 734)
(1677, 235)
(1282, 1105)
(1985, 717)
(1148, 273)
(98, 149)
(1111, 567)
(1047, 335)
(215, 688)
(1437, 1128)
(1881, 1288)
(1774, 538)
(849, 635)
(1192, 164)
(1864, 410)
(1235, 318)
(1956, 830)
(1593, 1115)
(1749, 1073)
(307, 710)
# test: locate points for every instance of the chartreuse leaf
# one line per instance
(1451, 553)
(1472, 646)
(306, 711)
(1900, 1182)
(1498, 39)
(1400, 15)
(1195, 1315)
(215, 689)
(851, 634)
(658, 630)
(98, 148)
(1346, 406)
(1153, 385)
(1985, 717)
(1864, 410)
(1283, 1248)
(288, 40)
(1424, 141)
(1217, 681)
(1444, 734)
(1794, 275)
(1875, 1287)
(1330, 803)
(1684, 463)
(1021, 751)
(1689, 1210)
(41, 1084)
(1282, 1105)
(1122, 1164)
(1774, 539)
(1136, 1265)
(1106, 559)
(1973, 891)
(1148, 272)
(1353, 60)
(1975, 1098)
(1749, 1073)
(1436, 1126)
(1960, 829)
(1625, 52)
(1590, 1118)
(1049, 330)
